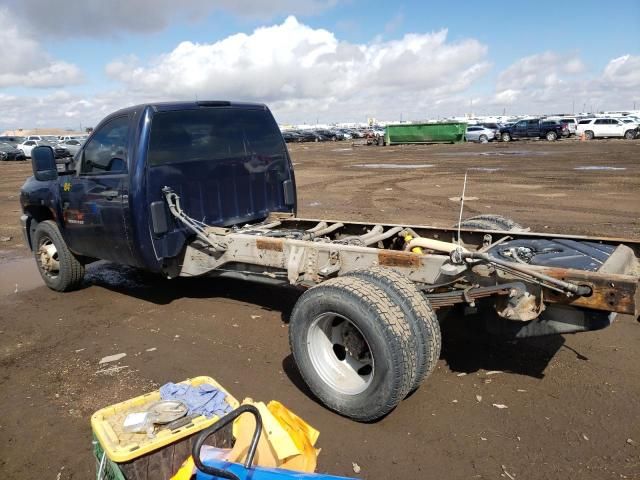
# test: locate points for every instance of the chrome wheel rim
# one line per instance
(340, 354)
(48, 257)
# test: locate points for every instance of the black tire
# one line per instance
(492, 222)
(552, 136)
(385, 331)
(418, 312)
(589, 135)
(70, 271)
(506, 137)
(630, 134)
(483, 139)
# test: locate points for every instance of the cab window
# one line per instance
(106, 152)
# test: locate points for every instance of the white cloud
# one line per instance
(552, 82)
(107, 17)
(292, 64)
(623, 72)
(543, 69)
(25, 63)
(59, 108)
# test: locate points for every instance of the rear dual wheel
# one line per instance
(358, 345)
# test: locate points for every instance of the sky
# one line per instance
(68, 64)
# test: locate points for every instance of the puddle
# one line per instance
(525, 187)
(342, 149)
(108, 274)
(597, 167)
(486, 169)
(548, 195)
(506, 153)
(466, 199)
(314, 204)
(392, 165)
(20, 274)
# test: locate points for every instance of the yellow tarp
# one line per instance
(286, 441)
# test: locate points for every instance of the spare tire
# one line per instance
(491, 222)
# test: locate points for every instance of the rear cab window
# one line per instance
(215, 134)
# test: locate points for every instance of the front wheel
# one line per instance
(506, 137)
(630, 134)
(353, 347)
(552, 136)
(59, 268)
(483, 139)
(589, 135)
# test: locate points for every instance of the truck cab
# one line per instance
(227, 160)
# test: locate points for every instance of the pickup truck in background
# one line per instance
(190, 189)
(534, 128)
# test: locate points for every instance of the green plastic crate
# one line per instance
(105, 468)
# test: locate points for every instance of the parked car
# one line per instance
(12, 140)
(572, 124)
(9, 152)
(64, 138)
(631, 121)
(310, 136)
(327, 134)
(343, 134)
(290, 136)
(72, 144)
(606, 127)
(478, 133)
(534, 128)
(28, 145)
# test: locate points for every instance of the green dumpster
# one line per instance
(450, 132)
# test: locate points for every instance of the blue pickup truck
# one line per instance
(190, 189)
(534, 128)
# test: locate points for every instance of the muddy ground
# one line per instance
(572, 401)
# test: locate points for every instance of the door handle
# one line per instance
(109, 194)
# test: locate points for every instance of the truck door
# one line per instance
(520, 129)
(95, 202)
(533, 128)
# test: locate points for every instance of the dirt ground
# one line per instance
(572, 402)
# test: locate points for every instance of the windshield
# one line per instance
(210, 134)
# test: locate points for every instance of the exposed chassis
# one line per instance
(448, 269)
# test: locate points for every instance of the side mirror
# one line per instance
(43, 163)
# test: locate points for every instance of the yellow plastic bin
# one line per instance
(139, 457)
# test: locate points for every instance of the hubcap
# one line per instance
(49, 258)
(340, 354)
